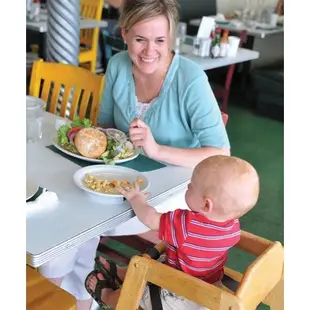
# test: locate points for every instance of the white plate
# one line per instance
(31, 188)
(92, 160)
(109, 172)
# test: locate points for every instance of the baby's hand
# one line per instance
(133, 194)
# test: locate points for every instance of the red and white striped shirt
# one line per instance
(197, 245)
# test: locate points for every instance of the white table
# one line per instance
(207, 63)
(41, 26)
(252, 33)
(256, 32)
(77, 218)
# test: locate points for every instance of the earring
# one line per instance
(125, 42)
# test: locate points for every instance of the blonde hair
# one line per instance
(134, 11)
(231, 182)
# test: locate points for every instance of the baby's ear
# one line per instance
(208, 205)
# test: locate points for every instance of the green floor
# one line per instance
(260, 141)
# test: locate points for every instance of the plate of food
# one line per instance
(94, 144)
(103, 180)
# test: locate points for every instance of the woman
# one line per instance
(167, 105)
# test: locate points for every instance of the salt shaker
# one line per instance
(177, 45)
(204, 47)
(196, 46)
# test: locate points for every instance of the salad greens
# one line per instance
(114, 150)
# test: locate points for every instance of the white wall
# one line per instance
(271, 49)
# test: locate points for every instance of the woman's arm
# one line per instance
(141, 136)
(206, 123)
(187, 157)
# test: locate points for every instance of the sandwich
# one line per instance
(81, 138)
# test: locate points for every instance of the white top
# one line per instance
(77, 218)
(142, 107)
(210, 63)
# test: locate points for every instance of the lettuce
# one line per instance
(62, 134)
(81, 123)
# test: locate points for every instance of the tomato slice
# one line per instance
(74, 129)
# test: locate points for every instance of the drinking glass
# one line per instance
(180, 37)
(34, 113)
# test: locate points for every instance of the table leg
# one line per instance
(246, 66)
(42, 46)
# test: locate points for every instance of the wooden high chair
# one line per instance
(48, 80)
(262, 281)
(89, 38)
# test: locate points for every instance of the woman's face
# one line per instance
(148, 43)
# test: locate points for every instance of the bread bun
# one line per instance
(90, 142)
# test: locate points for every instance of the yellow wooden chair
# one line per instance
(89, 38)
(41, 294)
(262, 281)
(84, 87)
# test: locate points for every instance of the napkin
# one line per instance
(46, 200)
(207, 24)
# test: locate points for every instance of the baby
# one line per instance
(222, 189)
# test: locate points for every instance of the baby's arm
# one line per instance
(145, 213)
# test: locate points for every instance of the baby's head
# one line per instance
(223, 188)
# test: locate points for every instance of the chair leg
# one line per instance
(93, 64)
(275, 299)
(225, 101)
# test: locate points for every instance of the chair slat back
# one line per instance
(62, 82)
(90, 9)
(142, 270)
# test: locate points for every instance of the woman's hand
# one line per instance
(141, 136)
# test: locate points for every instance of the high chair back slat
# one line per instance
(142, 270)
(246, 243)
(63, 83)
(275, 299)
(262, 281)
(261, 276)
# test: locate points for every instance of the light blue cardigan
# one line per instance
(185, 114)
